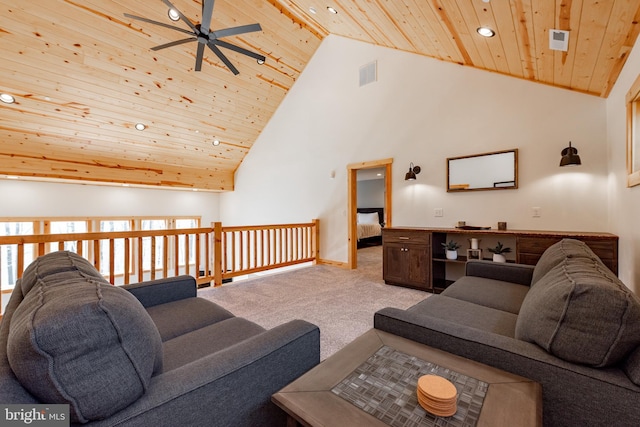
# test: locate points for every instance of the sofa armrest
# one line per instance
(572, 394)
(508, 272)
(161, 291)
(229, 387)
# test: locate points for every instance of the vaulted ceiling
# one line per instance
(83, 74)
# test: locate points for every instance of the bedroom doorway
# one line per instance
(352, 178)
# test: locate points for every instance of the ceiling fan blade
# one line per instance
(184, 18)
(223, 58)
(175, 43)
(238, 49)
(207, 10)
(237, 30)
(162, 24)
(199, 55)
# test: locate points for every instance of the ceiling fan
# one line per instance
(203, 34)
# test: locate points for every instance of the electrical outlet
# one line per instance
(438, 212)
(536, 212)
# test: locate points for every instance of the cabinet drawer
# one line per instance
(530, 249)
(406, 236)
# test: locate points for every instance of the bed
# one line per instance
(369, 224)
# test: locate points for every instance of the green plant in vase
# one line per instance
(498, 252)
(451, 249)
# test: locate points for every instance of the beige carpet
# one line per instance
(340, 301)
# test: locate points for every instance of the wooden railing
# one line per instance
(209, 254)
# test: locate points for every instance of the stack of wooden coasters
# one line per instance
(437, 395)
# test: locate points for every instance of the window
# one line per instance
(113, 226)
(152, 224)
(66, 227)
(9, 253)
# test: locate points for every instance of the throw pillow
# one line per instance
(75, 339)
(556, 253)
(582, 313)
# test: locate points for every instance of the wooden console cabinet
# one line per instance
(414, 257)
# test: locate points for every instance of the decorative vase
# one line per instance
(452, 254)
(499, 258)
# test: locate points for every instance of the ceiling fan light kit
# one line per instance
(205, 36)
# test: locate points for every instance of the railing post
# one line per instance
(217, 254)
(316, 240)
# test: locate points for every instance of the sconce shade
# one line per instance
(570, 156)
(413, 171)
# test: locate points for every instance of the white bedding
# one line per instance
(369, 230)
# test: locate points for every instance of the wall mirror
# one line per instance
(497, 170)
(633, 134)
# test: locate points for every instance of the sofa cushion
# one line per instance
(77, 340)
(491, 293)
(631, 366)
(556, 254)
(208, 340)
(580, 312)
(468, 314)
(179, 317)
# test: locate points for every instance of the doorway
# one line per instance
(352, 201)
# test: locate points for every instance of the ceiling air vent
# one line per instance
(368, 73)
(558, 40)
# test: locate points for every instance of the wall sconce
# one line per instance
(413, 171)
(570, 156)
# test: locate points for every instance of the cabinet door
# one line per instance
(418, 266)
(394, 263)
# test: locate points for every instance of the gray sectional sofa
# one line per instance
(567, 323)
(149, 354)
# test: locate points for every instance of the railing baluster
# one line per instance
(153, 258)
(176, 255)
(127, 260)
(112, 261)
(140, 260)
(165, 256)
(20, 259)
(186, 254)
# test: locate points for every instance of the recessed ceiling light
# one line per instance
(140, 126)
(332, 10)
(486, 32)
(173, 15)
(312, 10)
(6, 98)
(216, 142)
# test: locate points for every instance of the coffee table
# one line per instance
(509, 399)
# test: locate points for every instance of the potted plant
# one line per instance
(498, 252)
(451, 249)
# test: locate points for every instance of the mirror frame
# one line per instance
(510, 187)
(633, 97)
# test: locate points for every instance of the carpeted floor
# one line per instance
(340, 301)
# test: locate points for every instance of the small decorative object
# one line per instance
(474, 253)
(502, 225)
(474, 243)
(498, 252)
(452, 249)
(437, 395)
(462, 223)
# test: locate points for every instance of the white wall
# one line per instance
(370, 193)
(420, 110)
(41, 199)
(624, 202)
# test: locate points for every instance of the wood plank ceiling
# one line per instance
(83, 74)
